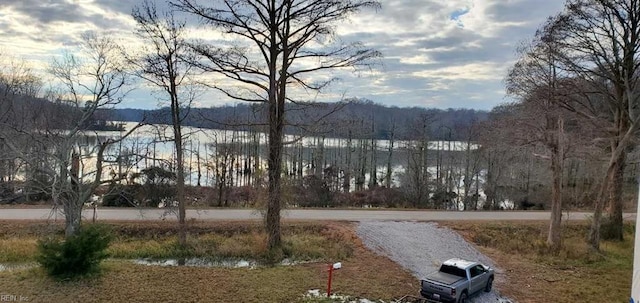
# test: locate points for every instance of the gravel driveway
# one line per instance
(421, 247)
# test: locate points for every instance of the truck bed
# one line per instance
(443, 278)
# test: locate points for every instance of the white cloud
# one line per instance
(437, 53)
(419, 59)
(473, 71)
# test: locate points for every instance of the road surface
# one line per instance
(296, 214)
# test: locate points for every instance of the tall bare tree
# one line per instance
(417, 176)
(471, 164)
(388, 177)
(224, 158)
(163, 64)
(536, 79)
(279, 44)
(601, 46)
(19, 85)
(94, 79)
(499, 152)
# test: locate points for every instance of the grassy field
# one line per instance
(529, 273)
(572, 275)
(364, 274)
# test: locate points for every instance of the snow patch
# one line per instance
(16, 266)
(316, 293)
(204, 262)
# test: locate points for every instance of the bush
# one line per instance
(76, 256)
(315, 192)
(609, 230)
(158, 186)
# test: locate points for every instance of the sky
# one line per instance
(436, 53)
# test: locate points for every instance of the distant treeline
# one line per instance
(353, 118)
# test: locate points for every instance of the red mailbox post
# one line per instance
(332, 267)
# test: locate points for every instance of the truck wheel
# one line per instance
(463, 298)
(489, 285)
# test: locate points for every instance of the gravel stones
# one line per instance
(421, 247)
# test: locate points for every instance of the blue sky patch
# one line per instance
(455, 16)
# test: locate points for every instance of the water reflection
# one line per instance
(204, 262)
(239, 157)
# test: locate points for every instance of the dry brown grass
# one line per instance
(364, 274)
(572, 275)
(220, 240)
(530, 273)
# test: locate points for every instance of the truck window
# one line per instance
(452, 270)
(476, 270)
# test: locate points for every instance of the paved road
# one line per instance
(296, 214)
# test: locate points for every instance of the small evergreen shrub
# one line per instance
(76, 256)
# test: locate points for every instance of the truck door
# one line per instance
(477, 279)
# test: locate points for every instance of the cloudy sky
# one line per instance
(437, 53)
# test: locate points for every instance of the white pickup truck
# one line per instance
(456, 280)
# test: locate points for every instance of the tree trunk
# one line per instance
(275, 167)
(71, 205)
(199, 166)
(177, 133)
(622, 125)
(617, 154)
(276, 101)
(476, 197)
(221, 179)
(228, 185)
(594, 231)
(424, 169)
(555, 228)
(346, 184)
(373, 174)
(72, 215)
(389, 173)
(490, 188)
(616, 231)
(554, 240)
(468, 178)
(182, 230)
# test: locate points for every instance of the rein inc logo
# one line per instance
(13, 298)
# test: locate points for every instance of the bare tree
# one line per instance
(224, 159)
(600, 45)
(471, 164)
(163, 65)
(536, 78)
(388, 177)
(417, 174)
(280, 44)
(95, 79)
(19, 86)
(499, 152)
